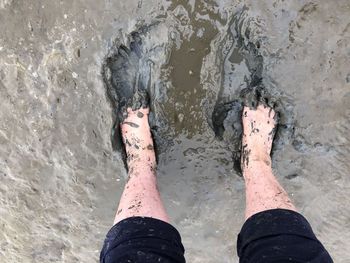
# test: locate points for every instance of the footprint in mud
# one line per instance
(243, 83)
(132, 74)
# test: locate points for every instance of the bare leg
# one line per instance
(140, 196)
(263, 192)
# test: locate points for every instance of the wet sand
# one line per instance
(61, 179)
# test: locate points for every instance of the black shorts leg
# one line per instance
(142, 240)
(279, 235)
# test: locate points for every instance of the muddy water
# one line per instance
(60, 178)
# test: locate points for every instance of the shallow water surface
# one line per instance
(61, 179)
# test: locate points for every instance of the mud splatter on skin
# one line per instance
(132, 157)
(272, 132)
(140, 114)
(254, 130)
(136, 206)
(245, 155)
(150, 147)
(131, 124)
(127, 142)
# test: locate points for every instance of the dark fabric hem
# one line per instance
(279, 233)
(142, 239)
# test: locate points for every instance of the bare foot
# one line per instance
(138, 140)
(258, 132)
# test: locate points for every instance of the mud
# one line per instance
(61, 178)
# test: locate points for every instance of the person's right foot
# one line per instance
(259, 126)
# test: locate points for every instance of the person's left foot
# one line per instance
(129, 75)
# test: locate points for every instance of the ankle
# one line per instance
(144, 168)
(253, 162)
(260, 158)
